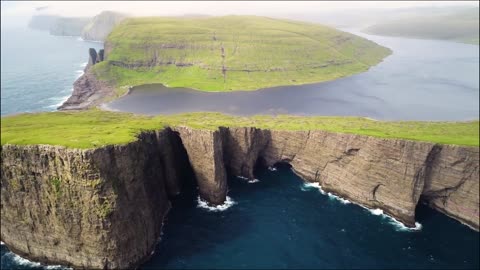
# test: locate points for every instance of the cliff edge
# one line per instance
(88, 90)
(104, 207)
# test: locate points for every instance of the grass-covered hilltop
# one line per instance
(231, 53)
(95, 128)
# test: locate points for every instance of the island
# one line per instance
(90, 188)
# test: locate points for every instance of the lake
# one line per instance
(421, 80)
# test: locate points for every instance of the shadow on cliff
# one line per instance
(190, 231)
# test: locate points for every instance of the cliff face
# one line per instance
(88, 91)
(378, 173)
(100, 208)
(104, 207)
(101, 25)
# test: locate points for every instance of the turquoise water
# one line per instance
(277, 222)
(38, 70)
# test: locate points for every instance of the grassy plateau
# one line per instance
(94, 128)
(231, 53)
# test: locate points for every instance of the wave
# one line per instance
(250, 181)
(399, 226)
(83, 64)
(272, 168)
(79, 73)
(24, 263)
(222, 207)
(59, 101)
(323, 192)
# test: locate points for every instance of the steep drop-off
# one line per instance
(104, 207)
(101, 25)
(88, 91)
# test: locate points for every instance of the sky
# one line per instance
(18, 12)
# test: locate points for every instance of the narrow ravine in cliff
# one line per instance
(112, 201)
(281, 221)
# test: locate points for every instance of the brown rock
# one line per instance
(104, 207)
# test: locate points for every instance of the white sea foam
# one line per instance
(242, 177)
(272, 168)
(377, 212)
(79, 73)
(316, 185)
(222, 207)
(27, 263)
(59, 101)
(2, 243)
(399, 226)
(252, 181)
(83, 64)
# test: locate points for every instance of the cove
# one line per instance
(279, 222)
(421, 80)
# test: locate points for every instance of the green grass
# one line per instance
(94, 128)
(258, 52)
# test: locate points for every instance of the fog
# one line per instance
(17, 13)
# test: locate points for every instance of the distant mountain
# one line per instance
(96, 28)
(68, 26)
(42, 22)
(101, 25)
(461, 25)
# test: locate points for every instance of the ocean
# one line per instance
(38, 69)
(275, 222)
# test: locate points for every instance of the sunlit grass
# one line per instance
(88, 129)
(258, 52)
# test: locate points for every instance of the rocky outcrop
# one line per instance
(101, 25)
(377, 173)
(103, 208)
(97, 208)
(88, 91)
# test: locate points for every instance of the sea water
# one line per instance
(38, 69)
(273, 221)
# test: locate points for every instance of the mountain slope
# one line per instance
(231, 53)
(101, 25)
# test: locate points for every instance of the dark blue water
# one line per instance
(279, 222)
(421, 80)
(38, 70)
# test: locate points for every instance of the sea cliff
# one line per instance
(104, 207)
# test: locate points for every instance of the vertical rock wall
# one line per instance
(104, 207)
(378, 173)
(97, 208)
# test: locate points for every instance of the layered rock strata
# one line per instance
(103, 208)
(96, 208)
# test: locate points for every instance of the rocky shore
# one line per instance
(104, 207)
(88, 90)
